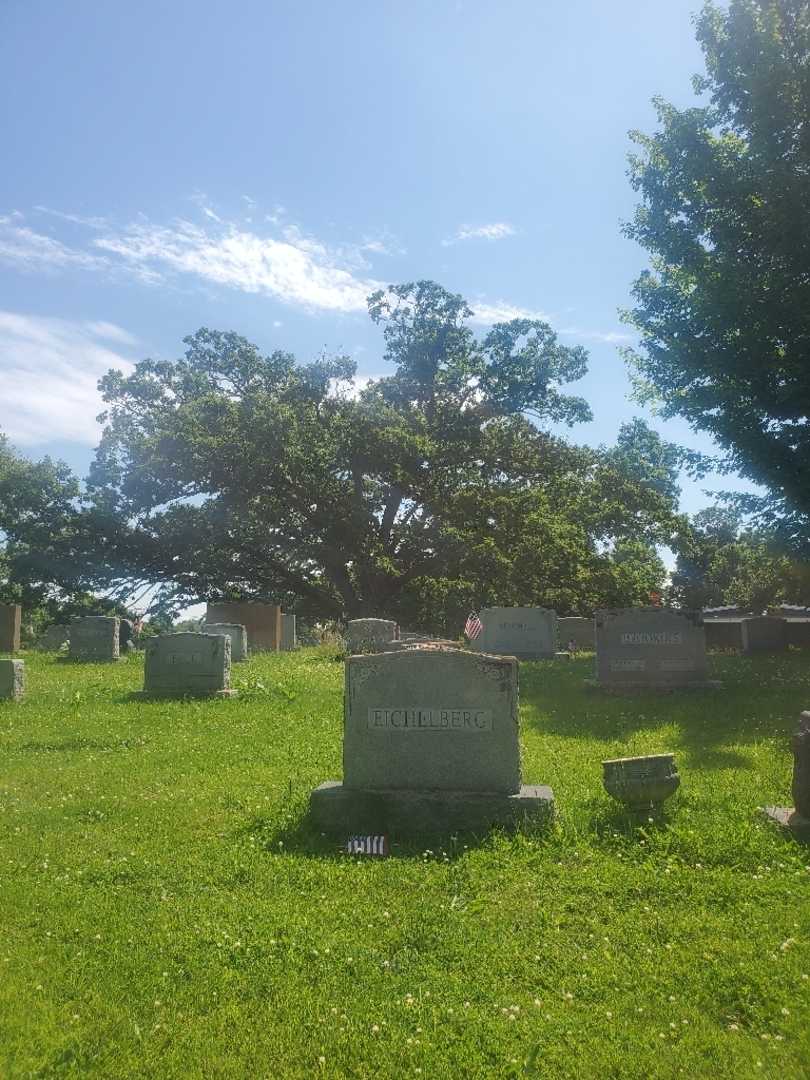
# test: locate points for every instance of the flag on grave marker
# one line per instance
(367, 845)
(473, 627)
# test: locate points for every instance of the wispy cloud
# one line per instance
(50, 368)
(498, 230)
(485, 314)
(607, 337)
(31, 250)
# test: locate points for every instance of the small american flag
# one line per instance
(473, 626)
(367, 845)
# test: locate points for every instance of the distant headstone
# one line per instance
(10, 619)
(94, 637)
(797, 817)
(289, 639)
(126, 635)
(12, 680)
(763, 634)
(430, 744)
(262, 622)
(529, 633)
(651, 648)
(370, 635)
(723, 633)
(237, 634)
(53, 639)
(188, 665)
(581, 631)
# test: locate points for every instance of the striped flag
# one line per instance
(473, 626)
(367, 845)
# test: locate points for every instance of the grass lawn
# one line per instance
(165, 912)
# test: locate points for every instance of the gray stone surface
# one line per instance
(12, 680)
(788, 817)
(369, 635)
(94, 637)
(237, 635)
(53, 639)
(529, 633)
(650, 648)
(186, 665)
(800, 745)
(262, 622)
(289, 636)
(581, 631)
(10, 620)
(763, 634)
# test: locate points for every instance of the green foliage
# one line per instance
(167, 912)
(724, 311)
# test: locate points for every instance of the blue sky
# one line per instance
(259, 166)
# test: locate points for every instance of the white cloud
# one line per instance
(34, 251)
(498, 230)
(501, 311)
(608, 337)
(49, 370)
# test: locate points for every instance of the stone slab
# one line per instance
(529, 633)
(188, 665)
(370, 635)
(12, 680)
(10, 621)
(338, 810)
(53, 639)
(646, 688)
(262, 622)
(789, 818)
(238, 635)
(579, 630)
(289, 636)
(763, 634)
(94, 638)
(650, 648)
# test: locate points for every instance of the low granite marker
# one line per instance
(529, 633)
(188, 665)
(370, 635)
(10, 620)
(53, 639)
(579, 631)
(797, 817)
(763, 634)
(289, 639)
(430, 745)
(236, 633)
(262, 622)
(651, 648)
(12, 680)
(94, 637)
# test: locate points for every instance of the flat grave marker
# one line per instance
(188, 665)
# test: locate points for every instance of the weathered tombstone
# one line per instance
(188, 665)
(763, 634)
(94, 637)
(651, 648)
(797, 817)
(237, 635)
(430, 744)
(289, 639)
(126, 635)
(262, 622)
(723, 633)
(53, 639)
(12, 680)
(580, 631)
(370, 635)
(529, 633)
(10, 618)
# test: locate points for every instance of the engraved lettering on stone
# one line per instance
(427, 719)
(628, 665)
(656, 638)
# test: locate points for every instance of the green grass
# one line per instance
(165, 912)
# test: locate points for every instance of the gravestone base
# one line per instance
(180, 694)
(789, 818)
(12, 680)
(647, 688)
(339, 810)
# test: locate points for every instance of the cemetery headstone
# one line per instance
(12, 680)
(262, 622)
(797, 817)
(10, 619)
(53, 639)
(529, 633)
(763, 634)
(651, 648)
(430, 744)
(188, 665)
(237, 634)
(94, 637)
(370, 635)
(580, 631)
(289, 639)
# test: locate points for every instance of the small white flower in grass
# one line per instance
(538, 1002)
(375, 1028)
(466, 1004)
(733, 1027)
(671, 997)
(568, 996)
(511, 1016)
(321, 1060)
(785, 1012)
(609, 1014)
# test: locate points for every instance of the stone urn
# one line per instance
(641, 783)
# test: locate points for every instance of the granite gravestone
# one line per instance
(262, 622)
(763, 634)
(289, 640)
(650, 648)
(188, 665)
(94, 637)
(10, 619)
(370, 635)
(797, 817)
(12, 680)
(580, 631)
(430, 744)
(529, 633)
(237, 635)
(53, 639)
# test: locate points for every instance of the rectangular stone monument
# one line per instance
(262, 622)
(581, 631)
(289, 639)
(430, 744)
(237, 634)
(10, 619)
(529, 633)
(12, 680)
(188, 665)
(763, 634)
(94, 637)
(723, 633)
(53, 639)
(651, 648)
(797, 817)
(370, 635)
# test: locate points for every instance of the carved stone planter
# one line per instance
(641, 783)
